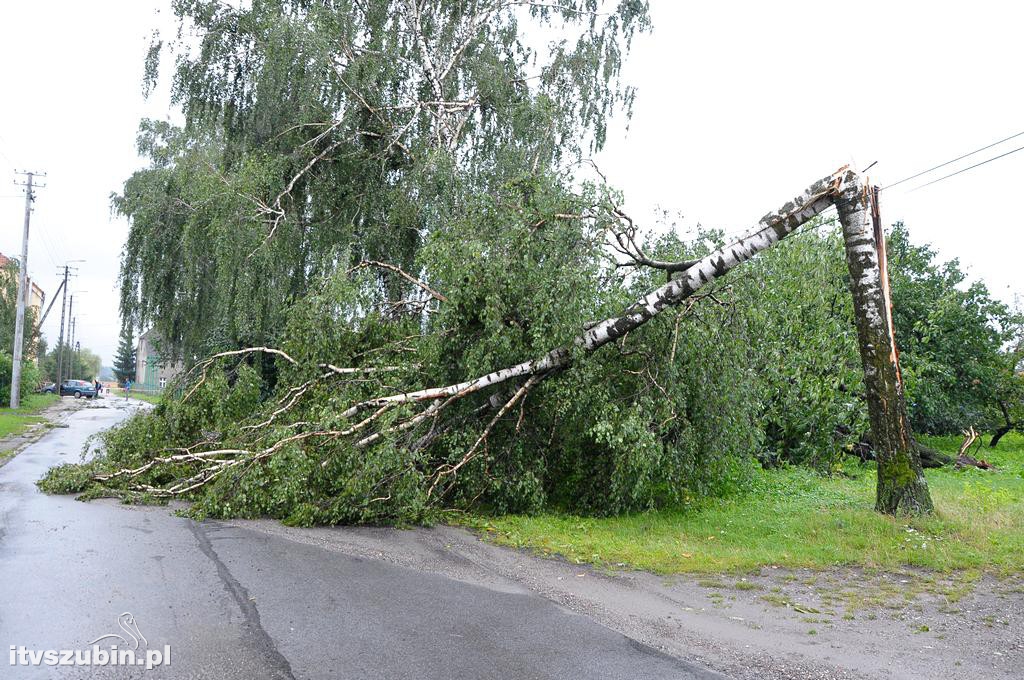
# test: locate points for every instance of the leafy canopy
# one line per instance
(320, 134)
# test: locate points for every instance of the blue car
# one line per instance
(78, 389)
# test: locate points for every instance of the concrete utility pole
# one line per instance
(71, 305)
(19, 319)
(64, 309)
(60, 340)
(71, 348)
(40, 322)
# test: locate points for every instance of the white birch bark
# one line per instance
(901, 483)
(772, 228)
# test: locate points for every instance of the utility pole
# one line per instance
(19, 319)
(39, 323)
(60, 341)
(71, 325)
(64, 309)
(71, 349)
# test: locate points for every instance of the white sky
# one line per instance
(741, 105)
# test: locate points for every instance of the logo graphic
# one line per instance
(127, 623)
(129, 649)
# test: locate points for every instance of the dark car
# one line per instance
(77, 389)
(48, 388)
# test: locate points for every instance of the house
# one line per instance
(152, 373)
(36, 296)
(35, 300)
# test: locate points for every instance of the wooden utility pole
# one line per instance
(902, 487)
(19, 318)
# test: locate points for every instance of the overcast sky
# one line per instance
(741, 105)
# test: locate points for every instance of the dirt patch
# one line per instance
(772, 623)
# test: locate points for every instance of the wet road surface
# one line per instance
(231, 602)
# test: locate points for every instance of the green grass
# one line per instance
(796, 518)
(17, 421)
(153, 398)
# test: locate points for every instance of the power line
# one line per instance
(55, 252)
(46, 246)
(1020, 148)
(958, 158)
(13, 164)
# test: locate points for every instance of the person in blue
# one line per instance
(127, 387)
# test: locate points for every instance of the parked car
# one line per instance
(48, 388)
(78, 389)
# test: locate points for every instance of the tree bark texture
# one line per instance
(902, 487)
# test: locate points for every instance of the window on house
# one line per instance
(163, 383)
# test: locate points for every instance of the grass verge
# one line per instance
(14, 422)
(153, 398)
(795, 518)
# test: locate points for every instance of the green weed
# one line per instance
(793, 517)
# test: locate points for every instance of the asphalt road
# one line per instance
(233, 603)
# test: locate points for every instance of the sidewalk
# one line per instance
(53, 416)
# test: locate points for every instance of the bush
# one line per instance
(29, 378)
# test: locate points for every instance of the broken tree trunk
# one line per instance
(963, 460)
(1006, 427)
(902, 487)
(930, 458)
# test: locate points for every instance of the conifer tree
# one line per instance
(124, 362)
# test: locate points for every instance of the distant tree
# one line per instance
(959, 345)
(347, 132)
(8, 298)
(1008, 395)
(124, 362)
(85, 364)
(80, 364)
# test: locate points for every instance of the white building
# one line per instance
(152, 373)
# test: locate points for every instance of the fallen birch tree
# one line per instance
(412, 420)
